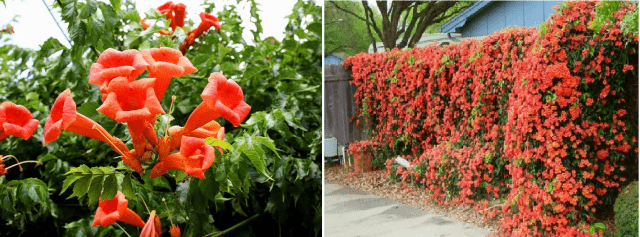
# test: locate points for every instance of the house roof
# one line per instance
(426, 39)
(458, 22)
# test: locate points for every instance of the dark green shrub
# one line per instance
(626, 209)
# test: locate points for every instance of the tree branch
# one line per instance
(444, 15)
(432, 12)
(373, 39)
(414, 19)
(347, 11)
(371, 19)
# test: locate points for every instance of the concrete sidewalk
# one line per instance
(351, 212)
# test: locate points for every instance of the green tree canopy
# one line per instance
(401, 23)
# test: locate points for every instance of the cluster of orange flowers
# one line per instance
(136, 102)
(176, 14)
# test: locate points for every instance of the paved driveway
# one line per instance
(351, 212)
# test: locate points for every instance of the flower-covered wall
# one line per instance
(542, 122)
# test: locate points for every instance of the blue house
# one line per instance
(485, 17)
(332, 59)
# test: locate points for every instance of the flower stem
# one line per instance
(108, 139)
(145, 203)
(10, 156)
(220, 233)
(28, 161)
(125, 232)
(165, 204)
(173, 99)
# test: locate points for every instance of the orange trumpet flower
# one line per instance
(134, 103)
(175, 161)
(153, 227)
(64, 116)
(180, 11)
(221, 97)
(174, 231)
(112, 63)
(116, 209)
(167, 8)
(17, 121)
(199, 156)
(164, 64)
(211, 129)
(207, 22)
(195, 157)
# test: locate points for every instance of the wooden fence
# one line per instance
(339, 106)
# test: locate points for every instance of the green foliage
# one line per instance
(23, 201)
(346, 33)
(630, 21)
(626, 209)
(605, 16)
(270, 163)
(604, 13)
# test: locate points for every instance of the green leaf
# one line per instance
(109, 15)
(265, 141)
(196, 198)
(96, 170)
(257, 161)
(68, 181)
(315, 27)
(599, 225)
(219, 143)
(47, 157)
(89, 9)
(236, 206)
(50, 46)
(78, 32)
(209, 187)
(110, 188)
(95, 189)
(81, 187)
(221, 199)
(107, 170)
(115, 4)
(127, 188)
(161, 182)
(235, 181)
(69, 11)
(36, 190)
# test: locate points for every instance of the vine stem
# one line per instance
(28, 161)
(122, 229)
(220, 233)
(494, 206)
(17, 161)
(145, 203)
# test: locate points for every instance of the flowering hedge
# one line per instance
(147, 156)
(541, 121)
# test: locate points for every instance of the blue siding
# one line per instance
(495, 18)
(475, 27)
(485, 19)
(332, 59)
(535, 14)
(512, 13)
